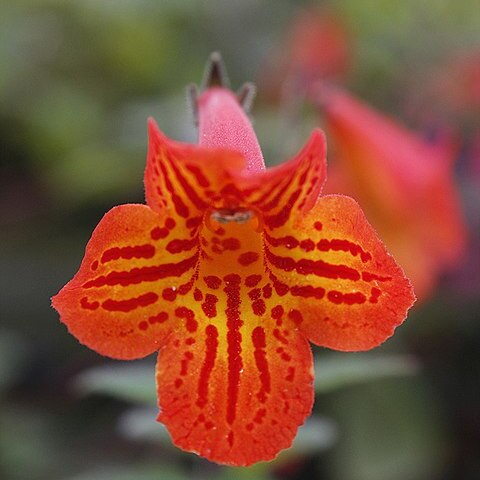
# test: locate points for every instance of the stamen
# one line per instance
(227, 216)
(238, 215)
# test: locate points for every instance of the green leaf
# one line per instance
(13, 354)
(338, 370)
(139, 424)
(317, 434)
(391, 429)
(149, 472)
(132, 382)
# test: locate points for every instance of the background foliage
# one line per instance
(77, 83)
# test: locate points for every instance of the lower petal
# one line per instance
(235, 416)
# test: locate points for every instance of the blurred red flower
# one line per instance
(316, 46)
(405, 185)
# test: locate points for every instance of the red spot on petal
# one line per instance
(254, 294)
(279, 336)
(252, 280)
(248, 258)
(258, 307)
(295, 316)
(190, 323)
(318, 226)
(209, 305)
(160, 318)
(193, 222)
(280, 288)
(286, 357)
(187, 357)
(212, 281)
(267, 291)
(94, 265)
(231, 243)
(170, 223)
(89, 305)
(169, 294)
(374, 294)
(277, 312)
(197, 295)
(157, 233)
(260, 415)
(307, 245)
(185, 288)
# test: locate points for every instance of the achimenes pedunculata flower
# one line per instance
(228, 271)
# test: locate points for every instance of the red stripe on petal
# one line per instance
(177, 201)
(315, 267)
(181, 245)
(143, 274)
(191, 193)
(211, 346)
(128, 252)
(259, 342)
(337, 244)
(234, 340)
(130, 304)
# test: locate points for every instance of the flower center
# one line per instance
(239, 215)
(227, 215)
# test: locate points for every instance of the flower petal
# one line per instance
(235, 392)
(284, 192)
(185, 179)
(341, 286)
(135, 259)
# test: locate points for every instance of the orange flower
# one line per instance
(227, 271)
(405, 186)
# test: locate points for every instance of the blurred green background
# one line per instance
(77, 83)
